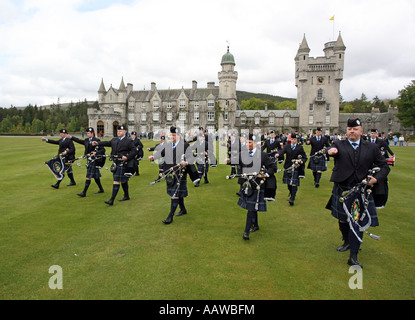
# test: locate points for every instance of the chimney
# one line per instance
(153, 86)
(194, 85)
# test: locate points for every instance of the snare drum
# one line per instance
(391, 160)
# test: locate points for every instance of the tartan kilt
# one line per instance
(182, 192)
(93, 172)
(319, 166)
(249, 203)
(119, 176)
(286, 179)
(337, 209)
(202, 167)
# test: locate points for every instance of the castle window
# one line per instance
(196, 104)
(257, 119)
(182, 103)
(226, 116)
(156, 116)
(327, 119)
(311, 107)
(196, 116)
(143, 116)
(182, 116)
(155, 104)
(131, 117)
(169, 116)
(271, 119)
(320, 94)
(286, 120)
(211, 115)
(211, 103)
(328, 107)
(169, 105)
(310, 120)
(340, 56)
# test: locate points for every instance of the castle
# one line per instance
(216, 107)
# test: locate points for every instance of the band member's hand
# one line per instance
(332, 151)
(148, 149)
(372, 180)
(151, 158)
(94, 143)
(44, 139)
(93, 153)
(64, 153)
(124, 158)
(184, 163)
(227, 160)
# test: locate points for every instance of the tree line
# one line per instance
(34, 119)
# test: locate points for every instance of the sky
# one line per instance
(54, 51)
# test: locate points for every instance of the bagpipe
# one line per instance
(355, 204)
(58, 165)
(317, 155)
(250, 182)
(170, 173)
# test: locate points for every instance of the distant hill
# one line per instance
(243, 95)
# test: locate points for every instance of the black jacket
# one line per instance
(124, 147)
(351, 167)
(65, 144)
(292, 154)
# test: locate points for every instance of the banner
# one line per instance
(56, 166)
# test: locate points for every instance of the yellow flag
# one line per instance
(332, 18)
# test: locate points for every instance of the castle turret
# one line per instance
(318, 85)
(101, 91)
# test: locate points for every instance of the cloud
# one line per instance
(62, 49)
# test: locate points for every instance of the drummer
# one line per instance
(380, 191)
(382, 144)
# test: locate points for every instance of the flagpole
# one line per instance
(332, 18)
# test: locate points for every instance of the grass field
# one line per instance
(126, 252)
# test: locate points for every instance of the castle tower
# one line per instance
(227, 91)
(318, 85)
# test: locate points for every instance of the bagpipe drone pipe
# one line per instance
(356, 206)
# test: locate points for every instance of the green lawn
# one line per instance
(126, 252)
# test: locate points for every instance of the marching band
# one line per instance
(253, 160)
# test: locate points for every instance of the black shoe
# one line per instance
(56, 186)
(168, 220)
(317, 185)
(82, 194)
(291, 202)
(109, 202)
(197, 183)
(253, 229)
(100, 191)
(246, 236)
(124, 199)
(181, 212)
(205, 182)
(353, 262)
(344, 247)
(71, 184)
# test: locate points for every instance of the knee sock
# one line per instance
(70, 176)
(293, 192)
(354, 243)
(173, 206)
(115, 188)
(318, 177)
(249, 216)
(289, 189)
(125, 188)
(98, 182)
(181, 204)
(344, 229)
(314, 175)
(87, 183)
